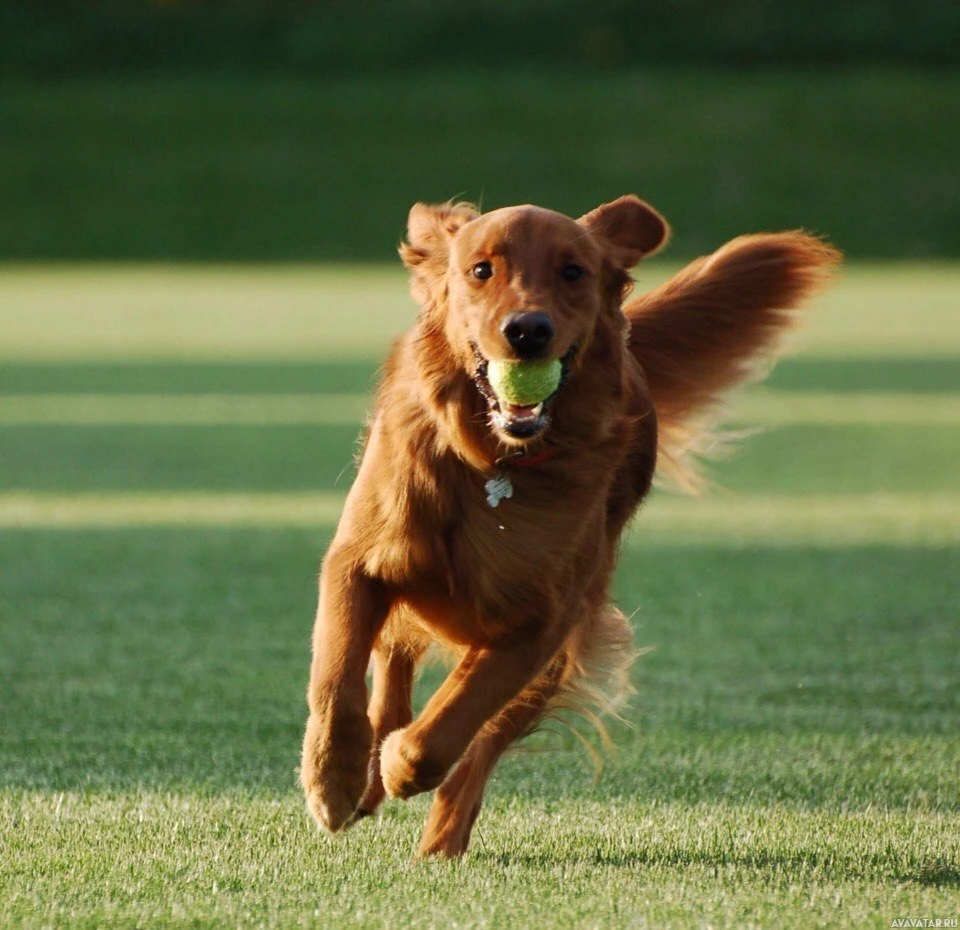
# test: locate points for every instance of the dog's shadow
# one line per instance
(817, 864)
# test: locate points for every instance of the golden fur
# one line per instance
(518, 592)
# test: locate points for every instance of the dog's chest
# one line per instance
(491, 567)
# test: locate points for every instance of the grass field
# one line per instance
(230, 169)
(174, 448)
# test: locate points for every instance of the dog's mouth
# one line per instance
(516, 420)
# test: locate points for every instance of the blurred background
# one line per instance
(181, 130)
(200, 204)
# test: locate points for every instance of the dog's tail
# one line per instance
(710, 327)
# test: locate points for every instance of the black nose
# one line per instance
(529, 334)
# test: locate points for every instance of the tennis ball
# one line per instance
(524, 383)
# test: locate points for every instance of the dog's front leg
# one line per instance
(337, 744)
(418, 757)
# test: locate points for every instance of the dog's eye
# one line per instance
(482, 270)
(571, 272)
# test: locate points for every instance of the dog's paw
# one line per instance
(332, 808)
(334, 771)
(446, 847)
(406, 769)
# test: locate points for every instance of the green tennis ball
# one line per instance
(524, 383)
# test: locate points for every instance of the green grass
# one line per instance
(227, 169)
(891, 322)
(169, 457)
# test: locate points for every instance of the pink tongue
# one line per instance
(515, 410)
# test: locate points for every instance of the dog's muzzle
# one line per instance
(515, 420)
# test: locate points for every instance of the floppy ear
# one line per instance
(429, 231)
(629, 227)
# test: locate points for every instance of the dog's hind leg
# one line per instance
(484, 682)
(590, 674)
(391, 708)
(457, 801)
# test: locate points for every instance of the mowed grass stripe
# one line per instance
(202, 312)
(824, 408)
(358, 374)
(894, 519)
(775, 520)
(168, 509)
(68, 313)
(761, 406)
(598, 864)
(185, 410)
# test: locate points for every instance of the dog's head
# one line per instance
(524, 284)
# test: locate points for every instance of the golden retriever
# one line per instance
(492, 527)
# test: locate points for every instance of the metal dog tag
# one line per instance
(498, 488)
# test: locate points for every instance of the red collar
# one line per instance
(529, 461)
